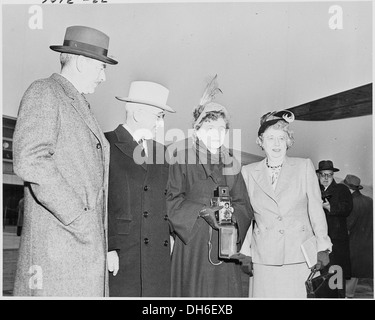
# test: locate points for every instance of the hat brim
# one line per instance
(332, 169)
(149, 103)
(66, 49)
(353, 187)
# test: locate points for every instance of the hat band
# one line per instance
(268, 124)
(86, 47)
(353, 186)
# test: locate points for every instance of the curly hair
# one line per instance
(280, 125)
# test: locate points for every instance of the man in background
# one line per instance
(337, 205)
(360, 227)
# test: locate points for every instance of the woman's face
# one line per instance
(212, 133)
(275, 143)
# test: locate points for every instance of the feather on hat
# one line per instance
(206, 103)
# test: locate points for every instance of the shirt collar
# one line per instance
(136, 137)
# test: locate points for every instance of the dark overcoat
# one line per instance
(360, 226)
(137, 218)
(190, 187)
(62, 155)
(341, 203)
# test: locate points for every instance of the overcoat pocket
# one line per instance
(123, 226)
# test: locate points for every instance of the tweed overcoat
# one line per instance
(138, 225)
(63, 157)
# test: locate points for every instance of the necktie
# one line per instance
(143, 144)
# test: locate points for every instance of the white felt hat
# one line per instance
(148, 93)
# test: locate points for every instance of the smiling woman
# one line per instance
(193, 179)
(284, 194)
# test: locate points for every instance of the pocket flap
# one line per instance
(123, 226)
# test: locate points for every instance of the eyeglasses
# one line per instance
(326, 175)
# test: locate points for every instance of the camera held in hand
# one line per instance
(227, 229)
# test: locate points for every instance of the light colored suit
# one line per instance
(63, 157)
(287, 216)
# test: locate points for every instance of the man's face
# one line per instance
(93, 73)
(151, 119)
(325, 177)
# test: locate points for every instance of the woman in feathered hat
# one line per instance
(200, 168)
(285, 196)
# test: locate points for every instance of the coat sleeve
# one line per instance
(35, 138)
(342, 204)
(315, 209)
(243, 210)
(114, 201)
(183, 213)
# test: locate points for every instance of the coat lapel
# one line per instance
(81, 105)
(261, 177)
(126, 143)
(286, 172)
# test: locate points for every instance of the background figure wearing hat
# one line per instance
(139, 233)
(201, 166)
(337, 205)
(285, 196)
(62, 155)
(360, 227)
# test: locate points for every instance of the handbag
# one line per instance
(318, 287)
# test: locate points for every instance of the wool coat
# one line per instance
(63, 157)
(191, 186)
(137, 217)
(341, 203)
(360, 227)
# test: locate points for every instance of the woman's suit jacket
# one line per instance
(287, 216)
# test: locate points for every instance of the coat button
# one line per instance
(281, 231)
(280, 218)
(165, 192)
(166, 217)
(145, 214)
(145, 188)
(98, 145)
(166, 242)
(146, 241)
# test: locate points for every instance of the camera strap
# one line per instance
(210, 249)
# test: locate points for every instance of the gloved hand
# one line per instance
(246, 262)
(208, 214)
(323, 260)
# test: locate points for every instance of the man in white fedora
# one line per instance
(62, 155)
(139, 231)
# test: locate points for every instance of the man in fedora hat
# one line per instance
(337, 205)
(62, 155)
(139, 233)
(360, 226)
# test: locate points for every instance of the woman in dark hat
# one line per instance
(337, 205)
(361, 242)
(284, 194)
(201, 167)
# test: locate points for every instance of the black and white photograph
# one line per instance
(171, 150)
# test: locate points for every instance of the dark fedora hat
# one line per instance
(87, 42)
(353, 182)
(326, 165)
